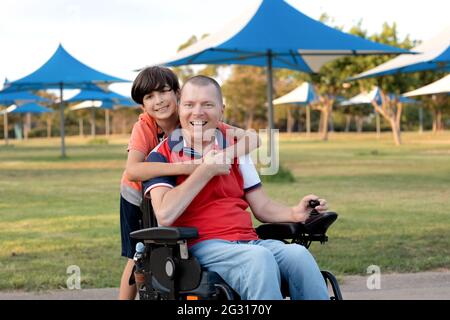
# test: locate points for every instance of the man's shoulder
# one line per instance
(161, 148)
(164, 152)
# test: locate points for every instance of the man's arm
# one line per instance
(169, 203)
(267, 210)
(139, 170)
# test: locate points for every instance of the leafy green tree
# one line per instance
(332, 76)
(245, 96)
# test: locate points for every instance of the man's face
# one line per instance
(161, 105)
(200, 111)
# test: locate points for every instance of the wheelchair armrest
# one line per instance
(315, 226)
(279, 231)
(320, 223)
(165, 234)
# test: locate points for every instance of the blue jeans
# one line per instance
(254, 269)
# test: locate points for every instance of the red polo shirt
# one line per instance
(219, 210)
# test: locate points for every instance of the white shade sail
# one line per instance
(362, 98)
(303, 94)
(375, 95)
(433, 54)
(440, 86)
(88, 104)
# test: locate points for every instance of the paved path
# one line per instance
(408, 286)
(404, 286)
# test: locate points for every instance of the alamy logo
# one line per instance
(74, 280)
(266, 157)
(374, 280)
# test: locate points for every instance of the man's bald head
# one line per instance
(202, 81)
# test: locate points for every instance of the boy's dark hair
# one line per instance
(201, 80)
(153, 79)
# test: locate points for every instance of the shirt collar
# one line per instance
(178, 144)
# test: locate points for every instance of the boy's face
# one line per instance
(200, 110)
(161, 105)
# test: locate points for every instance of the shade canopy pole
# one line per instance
(270, 97)
(107, 122)
(308, 120)
(378, 124)
(420, 120)
(61, 113)
(5, 126)
(93, 121)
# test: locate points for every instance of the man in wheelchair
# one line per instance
(206, 212)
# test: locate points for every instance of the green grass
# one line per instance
(392, 202)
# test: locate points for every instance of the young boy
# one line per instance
(157, 90)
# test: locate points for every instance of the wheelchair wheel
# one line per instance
(331, 279)
(225, 293)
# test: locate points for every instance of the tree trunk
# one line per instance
(5, 127)
(326, 112)
(49, 126)
(433, 113)
(308, 120)
(420, 120)
(27, 126)
(93, 122)
(387, 110)
(348, 119)
(80, 126)
(124, 126)
(300, 119)
(326, 115)
(359, 123)
(320, 121)
(377, 120)
(290, 119)
(331, 122)
(398, 115)
(106, 122)
(396, 132)
(439, 125)
(250, 117)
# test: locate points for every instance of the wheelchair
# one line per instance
(164, 269)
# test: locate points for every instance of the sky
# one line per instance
(119, 36)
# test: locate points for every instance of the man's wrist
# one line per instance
(292, 214)
(297, 216)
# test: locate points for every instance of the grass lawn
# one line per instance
(393, 205)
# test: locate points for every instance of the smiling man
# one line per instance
(214, 199)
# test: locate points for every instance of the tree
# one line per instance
(333, 74)
(329, 81)
(245, 96)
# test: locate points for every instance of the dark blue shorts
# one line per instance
(130, 220)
